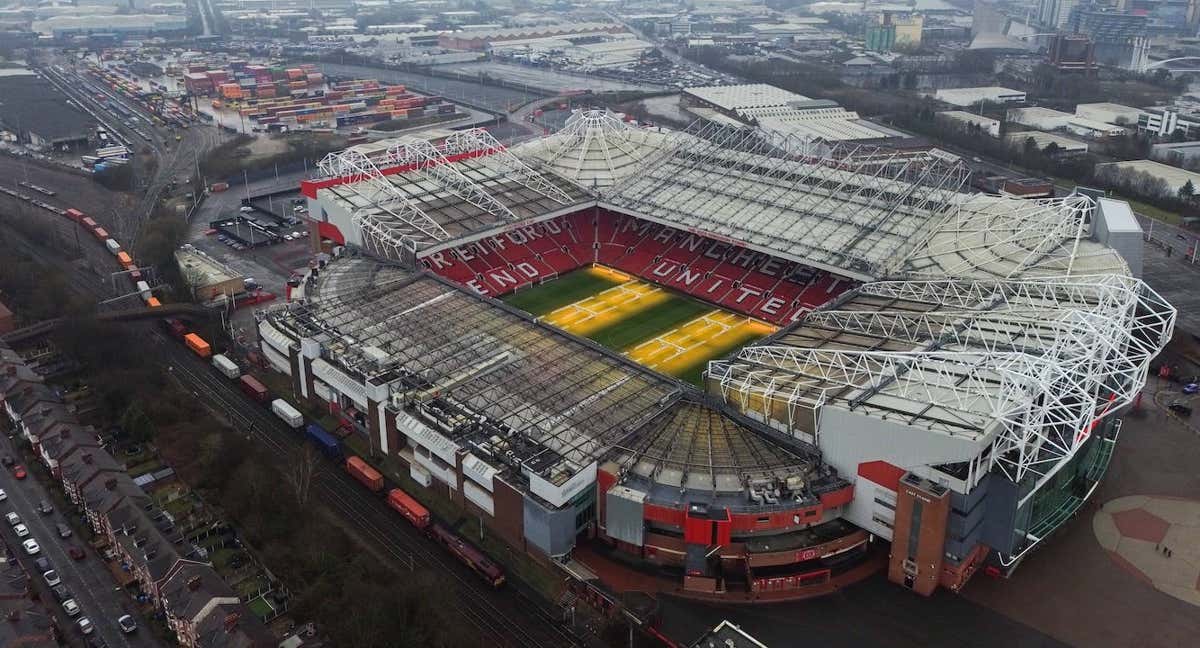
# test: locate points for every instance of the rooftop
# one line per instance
(737, 97)
(206, 270)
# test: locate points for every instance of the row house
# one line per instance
(199, 606)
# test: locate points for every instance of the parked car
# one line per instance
(61, 592)
(127, 624)
(43, 564)
(3, 495)
(1180, 409)
(45, 508)
(13, 518)
(85, 626)
(245, 209)
(76, 553)
(19, 472)
(64, 531)
(21, 530)
(1191, 388)
(31, 547)
(70, 607)
(52, 578)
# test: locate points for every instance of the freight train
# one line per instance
(371, 479)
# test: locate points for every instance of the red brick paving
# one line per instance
(1141, 524)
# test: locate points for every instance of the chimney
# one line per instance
(87, 458)
(111, 484)
(231, 620)
(45, 410)
(193, 583)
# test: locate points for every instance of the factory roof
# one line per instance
(735, 97)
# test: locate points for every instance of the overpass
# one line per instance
(126, 315)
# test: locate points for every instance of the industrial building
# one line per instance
(1064, 146)
(1174, 177)
(39, 114)
(785, 113)
(208, 278)
(948, 376)
(1176, 154)
(1108, 112)
(119, 24)
(1043, 119)
(986, 125)
(966, 97)
(1165, 121)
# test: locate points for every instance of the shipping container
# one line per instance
(113, 246)
(100, 233)
(124, 259)
(87, 222)
(144, 289)
(287, 413)
(364, 473)
(75, 215)
(410, 508)
(197, 345)
(174, 327)
(153, 302)
(226, 366)
(253, 388)
(325, 442)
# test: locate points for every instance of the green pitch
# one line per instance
(568, 289)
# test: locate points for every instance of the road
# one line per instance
(90, 582)
(513, 616)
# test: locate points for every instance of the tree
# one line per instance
(300, 474)
(1187, 191)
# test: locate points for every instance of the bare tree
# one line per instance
(301, 472)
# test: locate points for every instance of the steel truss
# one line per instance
(500, 158)
(868, 190)
(600, 130)
(1023, 234)
(1041, 362)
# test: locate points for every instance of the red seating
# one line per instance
(748, 282)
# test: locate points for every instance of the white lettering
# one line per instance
(771, 306)
(528, 269)
(663, 269)
(553, 227)
(517, 237)
(502, 278)
(438, 261)
(692, 242)
(464, 254)
(746, 292)
(688, 277)
(664, 235)
(474, 284)
(716, 250)
(716, 284)
(744, 258)
(770, 266)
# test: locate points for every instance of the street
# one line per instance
(91, 584)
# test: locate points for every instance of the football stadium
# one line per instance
(749, 366)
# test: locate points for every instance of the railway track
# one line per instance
(501, 616)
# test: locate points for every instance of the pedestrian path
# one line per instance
(1155, 538)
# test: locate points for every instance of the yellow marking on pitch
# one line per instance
(606, 307)
(707, 336)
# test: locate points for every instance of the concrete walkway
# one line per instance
(1135, 529)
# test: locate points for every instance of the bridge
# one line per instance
(1157, 65)
(127, 315)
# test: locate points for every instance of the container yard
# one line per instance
(343, 104)
(243, 80)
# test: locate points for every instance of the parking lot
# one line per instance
(87, 579)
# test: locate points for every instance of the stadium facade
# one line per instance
(946, 377)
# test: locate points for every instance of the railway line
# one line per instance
(501, 616)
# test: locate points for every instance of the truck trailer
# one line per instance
(253, 388)
(287, 413)
(325, 442)
(226, 366)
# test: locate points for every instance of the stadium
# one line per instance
(755, 366)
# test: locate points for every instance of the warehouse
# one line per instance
(122, 24)
(1065, 145)
(783, 113)
(1043, 119)
(1175, 177)
(960, 118)
(209, 279)
(971, 96)
(1108, 112)
(40, 115)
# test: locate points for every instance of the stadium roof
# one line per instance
(1026, 363)
(859, 211)
(562, 403)
(595, 149)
